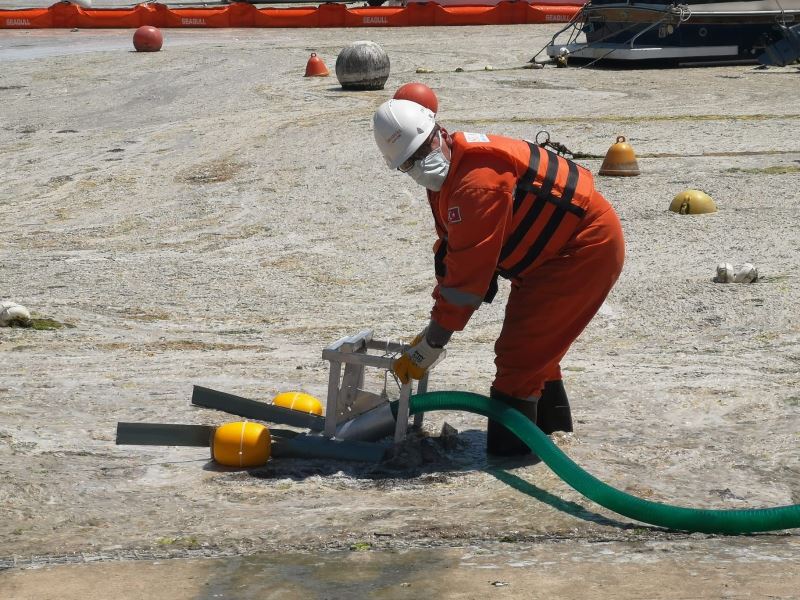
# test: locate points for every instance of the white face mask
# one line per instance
(431, 171)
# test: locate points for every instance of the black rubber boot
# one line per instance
(554, 413)
(499, 440)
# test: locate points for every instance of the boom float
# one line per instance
(241, 14)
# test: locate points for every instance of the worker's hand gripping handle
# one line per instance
(417, 359)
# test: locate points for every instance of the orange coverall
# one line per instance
(513, 209)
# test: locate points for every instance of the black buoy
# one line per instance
(362, 65)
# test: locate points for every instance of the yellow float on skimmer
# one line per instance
(241, 444)
(299, 401)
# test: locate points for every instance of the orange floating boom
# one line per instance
(241, 14)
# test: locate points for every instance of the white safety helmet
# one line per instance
(400, 128)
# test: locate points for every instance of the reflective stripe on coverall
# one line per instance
(511, 208)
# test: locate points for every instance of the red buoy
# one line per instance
(315, 67)
(419, 93)
(147, 39)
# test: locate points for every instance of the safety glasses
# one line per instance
(421, 152)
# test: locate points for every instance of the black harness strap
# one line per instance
(563, 205)
(492, 291)
(545, 191)
(524, 186)
(529, 177)
(438, 259)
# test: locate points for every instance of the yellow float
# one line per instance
(692, 202)
(299, 401)
(241, 444)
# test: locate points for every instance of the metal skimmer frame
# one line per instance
(346, 397)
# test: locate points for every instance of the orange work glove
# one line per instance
(416, 360)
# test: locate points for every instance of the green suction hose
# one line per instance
(654, 513)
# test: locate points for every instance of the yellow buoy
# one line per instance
(299, 401)
(241, 444)
(692, 202)
(620, 160)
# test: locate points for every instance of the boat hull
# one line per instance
(646, 33)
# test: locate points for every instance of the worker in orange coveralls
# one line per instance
(509, 208)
